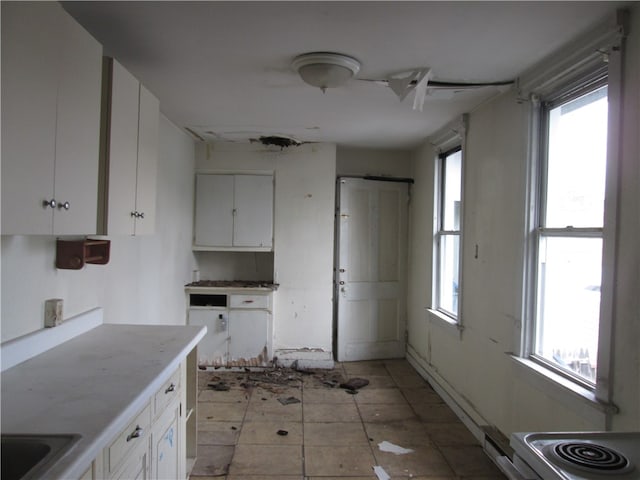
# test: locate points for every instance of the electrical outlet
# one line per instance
(53, 312)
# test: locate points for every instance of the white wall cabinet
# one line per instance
(51, 81)
(234, 212)
(129, 154)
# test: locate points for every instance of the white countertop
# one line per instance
(92, 385)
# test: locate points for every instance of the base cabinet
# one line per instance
(136, 467)
(165, 439)
(155, 443)
(238, 328)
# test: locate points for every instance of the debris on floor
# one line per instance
(219, 386)
(380, 473)
(277, 379)
(354, 383)
(282, 433)
(391, 448)
(288, 400)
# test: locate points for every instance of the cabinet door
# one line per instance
(166, 448)
(147, 166)
(213, 348)
(50, 121)
(120, 165)
(214, 210)
(137, 467)
(253, 225)
(248, 331)
(30, 56)
(77, 131)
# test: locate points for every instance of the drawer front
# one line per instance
(134, 434)
(249, 301)
(167, 393)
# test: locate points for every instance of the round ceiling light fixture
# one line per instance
(325, 69)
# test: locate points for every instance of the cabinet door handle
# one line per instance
(65, 205)
(141, 215)
(170, 388)
(134, 214)
(136, 433)
(248, 301)
(49, 203)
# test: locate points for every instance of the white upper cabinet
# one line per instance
(129, 147)
(51, 76)
(234, 212)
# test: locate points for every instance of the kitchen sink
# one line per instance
(29, 457)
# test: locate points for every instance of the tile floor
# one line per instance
(331, 434)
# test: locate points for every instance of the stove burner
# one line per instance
(591, 456)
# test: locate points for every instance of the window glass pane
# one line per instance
(452, 185)
(577, 161)
(569, 275)
(449, 248)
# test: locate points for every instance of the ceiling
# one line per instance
(223, 69)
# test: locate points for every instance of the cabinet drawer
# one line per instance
(134, 434)
(249, 301)
(167, 393)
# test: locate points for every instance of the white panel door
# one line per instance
(214, 210)
(253, 225)
(371, 269)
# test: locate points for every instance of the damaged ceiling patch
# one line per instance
(278, 141)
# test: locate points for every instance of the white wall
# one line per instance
(144, 280)
(303, 236)
(475, 368)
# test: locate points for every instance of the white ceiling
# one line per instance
(224, 67)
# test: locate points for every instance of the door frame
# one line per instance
(336, 243)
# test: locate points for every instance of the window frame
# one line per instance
(604, 73)
(440, 233)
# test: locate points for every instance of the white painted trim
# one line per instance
(447, 323)
(463, 409)
(579, 56)
(581, 400)
(23, 348)
(304, 358)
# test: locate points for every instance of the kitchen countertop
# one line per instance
(234, 284)
(92, 385)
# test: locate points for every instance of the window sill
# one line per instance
(445, 321)
(567, 392)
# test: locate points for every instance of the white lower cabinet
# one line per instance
(248, 332)
(165, 438)
(136, 466)
(152, 446)
(238, 328)
(213, 348)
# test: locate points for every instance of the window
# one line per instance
(570, 212)
(447, 237)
